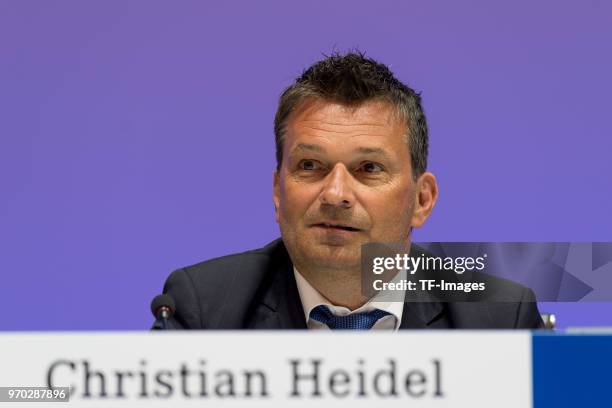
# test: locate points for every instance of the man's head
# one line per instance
(351, 146)
(352, 79)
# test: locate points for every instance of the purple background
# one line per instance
(136, 137)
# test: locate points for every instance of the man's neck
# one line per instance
(340, 287)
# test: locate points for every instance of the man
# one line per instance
(351, 148)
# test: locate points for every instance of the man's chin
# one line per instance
(334, 257)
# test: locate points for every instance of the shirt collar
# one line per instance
(312, 298)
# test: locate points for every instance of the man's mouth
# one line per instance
(336, 226)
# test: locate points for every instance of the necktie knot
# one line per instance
(355, 321)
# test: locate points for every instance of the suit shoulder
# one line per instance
(506, 305)
(503, 290)
(238, 274)
(222, 287)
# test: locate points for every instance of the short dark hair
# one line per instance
(352, 79)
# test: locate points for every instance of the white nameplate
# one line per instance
(274, 369)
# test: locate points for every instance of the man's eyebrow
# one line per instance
(372, 150)
(361, 150)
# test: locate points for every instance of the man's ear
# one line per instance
(426, 197)
(276, 194)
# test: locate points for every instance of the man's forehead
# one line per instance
(372, 129)
(316, 148)
(372, 124)
(375, 113)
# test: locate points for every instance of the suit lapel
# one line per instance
(422, 311)
(420, 315)
(280, 306)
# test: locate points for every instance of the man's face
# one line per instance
(345, 180)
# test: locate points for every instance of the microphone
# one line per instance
(163, 308)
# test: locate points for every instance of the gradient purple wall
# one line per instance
(136, 137)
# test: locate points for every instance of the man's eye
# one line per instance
(370, 167)
(309, 165)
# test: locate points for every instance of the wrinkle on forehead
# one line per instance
(371, 118)
(326, 122)
(350, 133)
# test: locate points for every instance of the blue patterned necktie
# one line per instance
(356, 321)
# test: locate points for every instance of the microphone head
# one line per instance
(162, 301)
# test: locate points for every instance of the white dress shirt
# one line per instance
(312, 298)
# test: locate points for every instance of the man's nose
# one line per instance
(337, 189)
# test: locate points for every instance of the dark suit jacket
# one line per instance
(257, 290)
